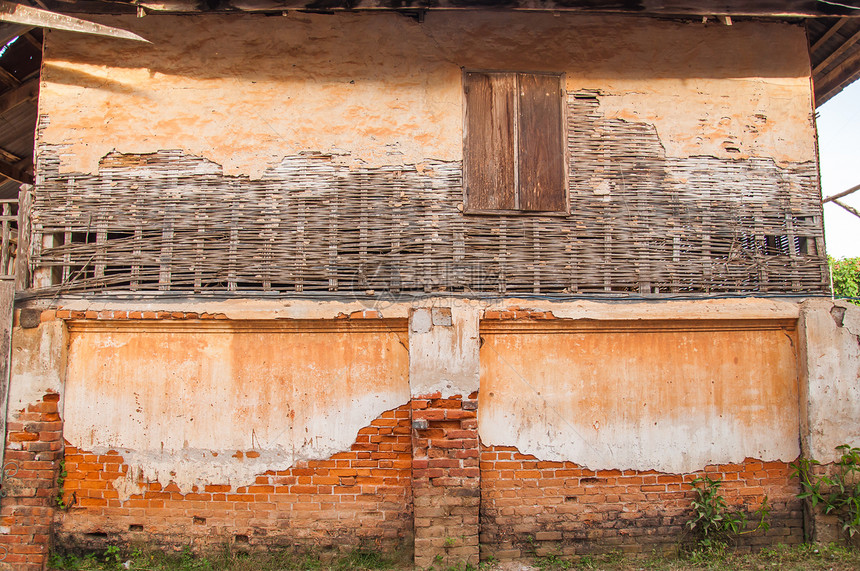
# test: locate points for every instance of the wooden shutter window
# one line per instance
(490, 157)
(514, 159)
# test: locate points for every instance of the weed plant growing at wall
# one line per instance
(838, 492)
(715, 524)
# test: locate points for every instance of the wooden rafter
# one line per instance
(10, 31)
(707, 8)
(27, 91)
(850, 209)
(7, 78)
(836, 53)
(32, 40)
(29, 16)
(9, 157)
(837, 77)
(16, 172)
(828, 34)
(833, 198)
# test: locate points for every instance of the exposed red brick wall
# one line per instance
(533, 507)
(353, 498)
(446, 479)
(527, 506)
(33, 449)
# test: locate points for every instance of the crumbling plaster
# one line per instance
(329, 385)
(116, 367)
(39, 357)
(220, 402)
(830, 412)
(443, 350)
(246, 91)
(392, 308)
(667, 396)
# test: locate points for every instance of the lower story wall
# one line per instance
(445, 471)
(531, 507)
(32, 461)
(362, 497)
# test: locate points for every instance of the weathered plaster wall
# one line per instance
(663, 395)
(246, 91)
(220, 402)
(724, 404)
(39, 357)
(390, 307)
(830, 341)
(443, 350)
(358, 496)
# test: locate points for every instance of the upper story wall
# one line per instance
(382, 89)
(324, 152)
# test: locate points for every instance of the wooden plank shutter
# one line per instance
(489, 154)
(540, 130)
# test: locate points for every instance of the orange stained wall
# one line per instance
(672, 396)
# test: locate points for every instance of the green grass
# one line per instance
(778, 558)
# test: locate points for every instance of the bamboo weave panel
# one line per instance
(639, 222)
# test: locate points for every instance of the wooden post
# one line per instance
(22, 255)
(7, 302)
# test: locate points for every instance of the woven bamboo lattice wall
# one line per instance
(639, 222)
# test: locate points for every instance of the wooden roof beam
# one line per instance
(32, 40)
(838, 52)
(15, 172)
(836, 78)
(36, 17)
(11, 31)
(27, 91)
(828, 34)
(841, 194)
(8, 157)
(709, 8)
(7, 78)
(850, 209)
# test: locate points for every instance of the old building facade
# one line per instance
(471, 283)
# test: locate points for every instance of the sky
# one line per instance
(839, 155)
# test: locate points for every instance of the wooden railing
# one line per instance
(8, 237)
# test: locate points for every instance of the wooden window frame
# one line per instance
(514, 115)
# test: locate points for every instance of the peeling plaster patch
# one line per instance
(179, 402)
(192, 89)
(247, 309)
(722, 127)
(838, 315)
(668, 446)
(38, 364)
(832, 361)
(443, 350)
(664, 398)
(851, 317)
(748, 308)
(257, 309)
(188, 467)
(128, 486)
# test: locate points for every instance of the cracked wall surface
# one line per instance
(593, 419)
(357, 496)
(334, 162)
(831, 370)
(380, 89)
(219, 402)
(670, 396)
